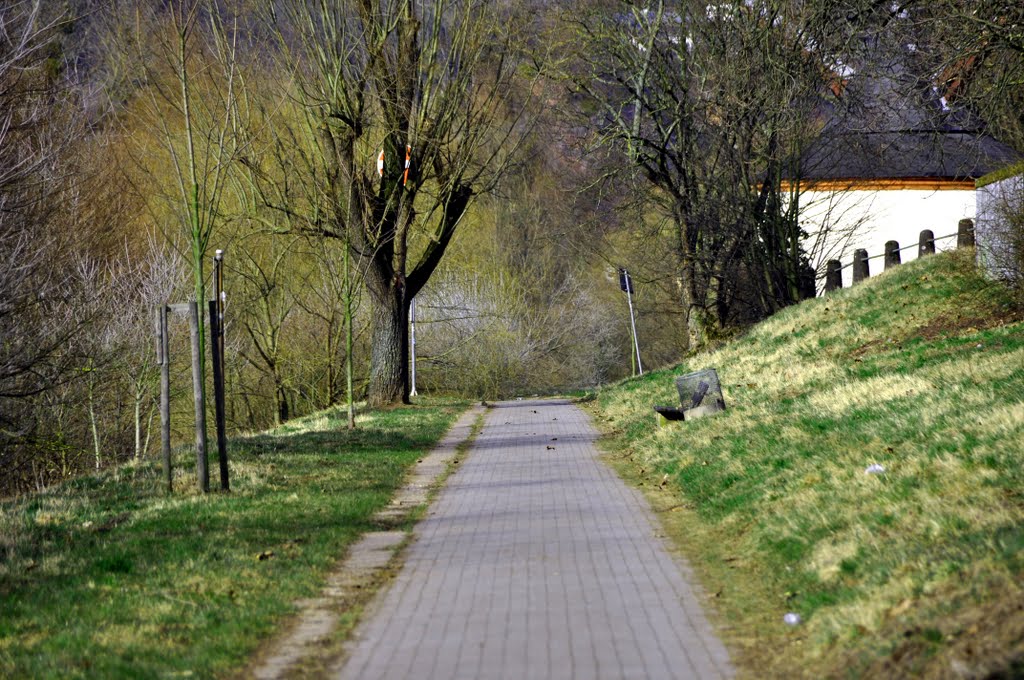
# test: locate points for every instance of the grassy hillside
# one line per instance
(108, 576)
(918, 571)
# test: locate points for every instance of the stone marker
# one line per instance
(833, 275)
(926, 243)
(700, 393)
(892, 254)
(965, 234)
(861, 270)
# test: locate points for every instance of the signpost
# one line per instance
(626, 284)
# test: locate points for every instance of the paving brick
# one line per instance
(537, 562)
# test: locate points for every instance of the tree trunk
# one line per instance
(92, 419)
(331, 380)
(282, 403)
(389, 368)
(696, 321)
(686, 280)
(349, 339)
(138, 423)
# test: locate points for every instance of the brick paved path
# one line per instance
(537, 562)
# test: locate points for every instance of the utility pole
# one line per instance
(626, 284)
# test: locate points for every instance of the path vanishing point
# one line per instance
(536, 561)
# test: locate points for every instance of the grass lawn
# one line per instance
(918, 571)
(108, 576)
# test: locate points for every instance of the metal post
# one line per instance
(632, 320)
(164, 359)
(412, 343)
(217, 328)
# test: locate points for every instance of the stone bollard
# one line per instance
(860, 265)
(892, 254)
(833, 275)
(700, 393)
(926, 243)
(965, 234)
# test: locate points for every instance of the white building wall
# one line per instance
(999, 205)
(839, 222)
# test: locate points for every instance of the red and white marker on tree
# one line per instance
(380, 163)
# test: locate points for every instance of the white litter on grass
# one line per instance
(792, 619)
(874, 469)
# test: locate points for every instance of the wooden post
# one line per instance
(861, 270)
(965, 234)
(833, 275)
(164, 360)
(892, 254)
(202, 467)
(926, 243)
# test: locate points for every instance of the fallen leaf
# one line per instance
(901, 607)
(265, 555)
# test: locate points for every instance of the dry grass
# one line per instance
(920, 370)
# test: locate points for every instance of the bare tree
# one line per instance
(195, 115)
(39, 292)
(268, 302)
(138, 285)
(331, 299)
(437, 83)
(706, 103)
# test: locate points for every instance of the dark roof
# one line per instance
(932, 154)
(890, 124)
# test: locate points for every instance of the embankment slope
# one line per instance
(914, 572)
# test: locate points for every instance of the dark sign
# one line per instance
(625, 281)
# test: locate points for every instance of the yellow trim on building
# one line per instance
(883, 184)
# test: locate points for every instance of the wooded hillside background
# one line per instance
(549, 144)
